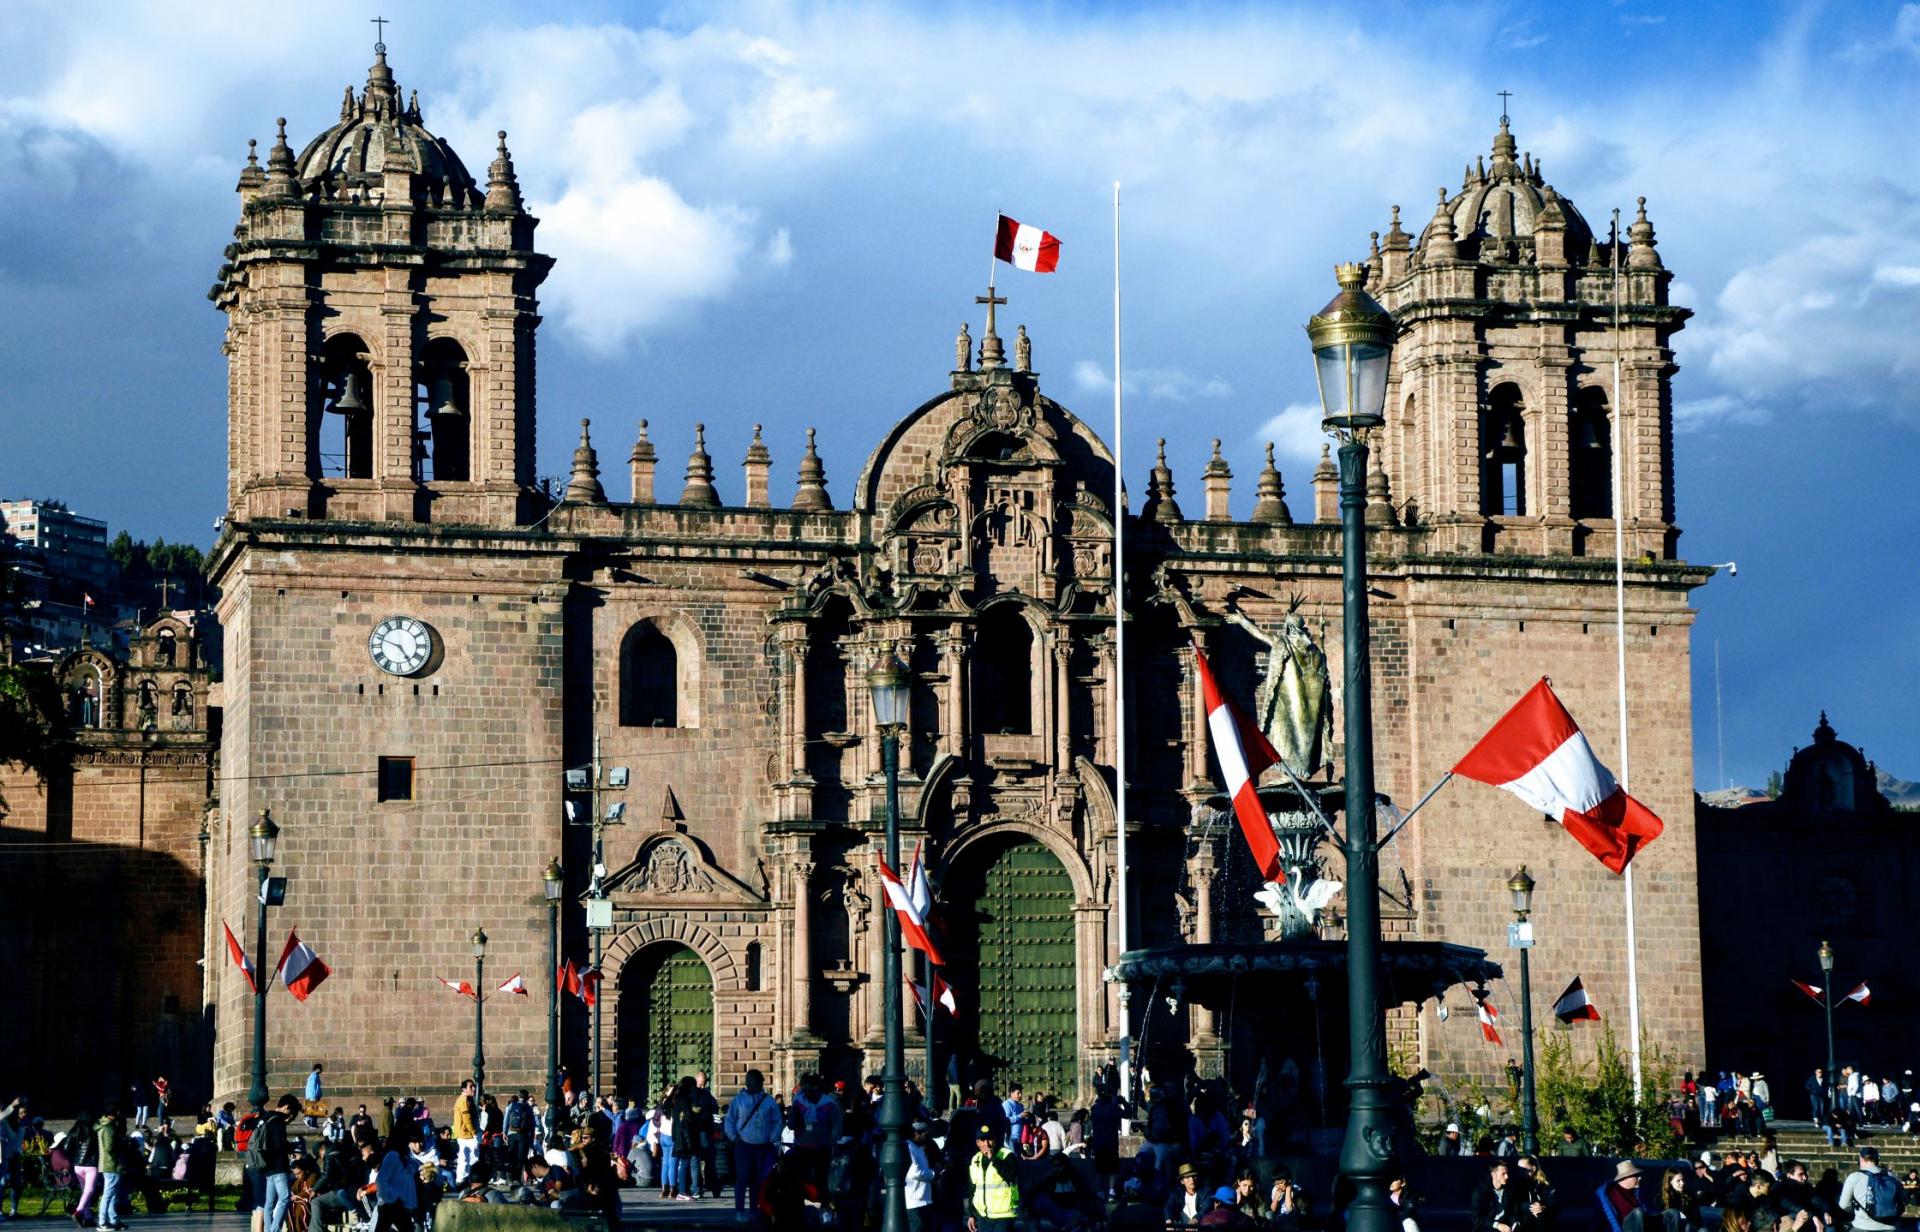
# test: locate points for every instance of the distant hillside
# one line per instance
(1903, 793)
(1733, 797)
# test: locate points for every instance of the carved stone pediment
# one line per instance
(675, 868)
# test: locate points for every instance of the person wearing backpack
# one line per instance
(1872, 1195)
(268, 1158)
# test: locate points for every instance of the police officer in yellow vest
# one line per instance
(993, 1185)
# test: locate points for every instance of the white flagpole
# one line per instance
(1121, 912)
(1620, 630)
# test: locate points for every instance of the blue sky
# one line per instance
(779, 213)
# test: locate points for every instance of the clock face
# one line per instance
(400, 645)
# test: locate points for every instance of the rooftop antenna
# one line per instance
(379, 36)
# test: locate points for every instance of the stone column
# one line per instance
(800, 970)
(1208, 1049)
(1062, 708)
(953, 650)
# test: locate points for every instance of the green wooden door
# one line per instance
(679, 1018)
(1027, 1016)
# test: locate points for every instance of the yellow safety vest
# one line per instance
(993, 1197)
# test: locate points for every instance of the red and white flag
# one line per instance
(913, 925)
(590, 985)
(239, 957)
(1537, 752)
(942, 992)
(1812, 990)
(463, 987)
(1026, 247)
(920, 890)
(1574, 1005)
(516, 986)
(1861, 994)
(1244, 754)
(300, 968)
(567, 978)
(86, 600)
(1489, 1018)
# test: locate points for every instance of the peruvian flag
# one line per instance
(1537, 752)
(913, 925)
(920, 890)
(567, 978)
(1573, 1005)
(590, 985)
(516, 986)
(1026, 247)
(942, 993)
(1861, 994)
(1243, 753)
(1812, 990)
(1489, 1018)
(463, 987)
(300, 968)
(239, 957)
(86, 600)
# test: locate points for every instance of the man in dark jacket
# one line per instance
(267, 1157)
(1497, 1204)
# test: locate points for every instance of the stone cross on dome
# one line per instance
(1504, 96)
(992, 353)
(380, 35)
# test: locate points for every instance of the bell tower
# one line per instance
(381, 308)
(1502, 403)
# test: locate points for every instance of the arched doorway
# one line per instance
(666, 1019)
(1011, 924)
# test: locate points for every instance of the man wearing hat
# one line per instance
(1186, 1204)
(1450, 1144)
(922, 1173)
(992, 1199)
(1226, 1212)
(1620, 1198)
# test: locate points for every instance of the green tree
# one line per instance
(1775, 784)
(1596, 1098)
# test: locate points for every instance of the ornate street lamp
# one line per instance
(891, 688)
(1352, 341)
(479, 1019)
(263, 838)
(1520, 885)
(553, 882)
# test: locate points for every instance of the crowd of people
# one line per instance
(1740, 1191)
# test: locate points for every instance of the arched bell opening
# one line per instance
(345, 431)
(442, 396)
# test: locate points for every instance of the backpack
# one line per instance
(1886, 1195)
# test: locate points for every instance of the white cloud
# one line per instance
(1297, 438)
(1906, 27)
(1157, 384)
(1716, 411)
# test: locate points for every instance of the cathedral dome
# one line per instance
(1507, 199)
(376, 135)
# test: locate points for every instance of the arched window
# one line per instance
(183, 700)
(1503, 454)
(649, 678)
(1590, 455)
(1003, 674)
(346, 436)
(165, 649)
(85, 698)
(753, 966)
(443, 397)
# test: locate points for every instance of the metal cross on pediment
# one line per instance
(991, 301)
(380, 34)
(1504, 96)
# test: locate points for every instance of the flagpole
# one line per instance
(1120, 664)
(1620, 631)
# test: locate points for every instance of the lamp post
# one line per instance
(1826, 1000)
(479, 1019)
(1352, 340)
(263, 837)
(595, 780)
(889, 684)
(1521, 887)
(552, 881)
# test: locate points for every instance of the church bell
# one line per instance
(351, 401)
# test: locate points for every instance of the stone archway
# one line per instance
(665, 1029)
(1010, 914)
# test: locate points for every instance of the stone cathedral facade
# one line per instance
(420, 641)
